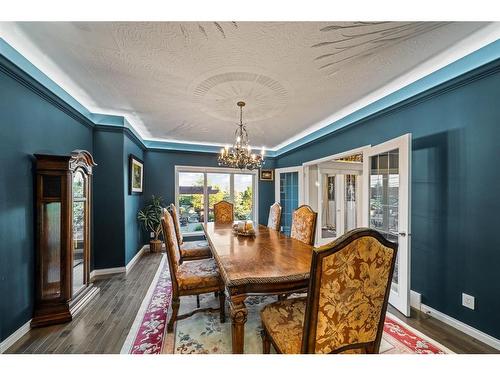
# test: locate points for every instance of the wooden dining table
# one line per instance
(265, 264)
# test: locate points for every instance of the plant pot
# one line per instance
(155, 246)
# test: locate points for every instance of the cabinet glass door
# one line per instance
(79, 235)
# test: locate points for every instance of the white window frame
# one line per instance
(231, 172)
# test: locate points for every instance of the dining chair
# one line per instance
(304, 224)
(190, 278)
(223, 212)
(190, 250)
(344, 311)
(274, 219)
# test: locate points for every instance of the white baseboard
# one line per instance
(137, 256)
(415, 300)
(115, 270)
(471, 331)
(9, 341)
(107, 271)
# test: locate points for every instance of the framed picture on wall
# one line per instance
(266, 174)
(135, 175)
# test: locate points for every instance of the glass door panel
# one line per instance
(243, 197)
(79, 214)
(191, 201)
(218, 189)
(329, 209)
(350, 199)
(51, 277)
(384, 201)
(289, 198)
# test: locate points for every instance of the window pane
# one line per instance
(218, 190)
(191, 202)
(243, 197)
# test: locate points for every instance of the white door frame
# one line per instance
(277, 173)
(357, 150)
(401, 299)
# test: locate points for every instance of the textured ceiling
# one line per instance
(181, 81)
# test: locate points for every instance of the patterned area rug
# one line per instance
(148, 330)
(203, 333)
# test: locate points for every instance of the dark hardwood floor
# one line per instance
(448, 336)
(102, 326)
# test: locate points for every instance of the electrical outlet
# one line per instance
(468, 301)
(151, 235)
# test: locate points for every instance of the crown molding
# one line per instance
(21, 69)
(457, 68)
(465, 79)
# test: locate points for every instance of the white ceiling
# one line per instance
(180, 81)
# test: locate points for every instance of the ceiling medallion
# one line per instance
(240, 155)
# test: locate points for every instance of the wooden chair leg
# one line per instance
(198, 301)
(266, 343)
(176, 302)
(222, 306)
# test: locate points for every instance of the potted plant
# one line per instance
(150, 217)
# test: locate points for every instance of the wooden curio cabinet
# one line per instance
(63, 212)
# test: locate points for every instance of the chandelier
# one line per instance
(240, 155)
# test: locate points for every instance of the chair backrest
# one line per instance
(304, 224)
(223, 212)
(175, 215)
(350, 281)
(274, 220)
(171, 244)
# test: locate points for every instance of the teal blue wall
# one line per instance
(109, 209)
(133, 203)
(29, 123)
(160, 175)
(117, 234)
(33, 120)
(455, 183)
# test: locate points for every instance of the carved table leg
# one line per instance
(238, 319)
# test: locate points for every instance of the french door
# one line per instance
(339, 193)
(288, 192)
(386, 207)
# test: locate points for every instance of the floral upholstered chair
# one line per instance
(190, 278)
(304, 224)
(344, 311)
(223, 212)
(191, 250)
(274, 220)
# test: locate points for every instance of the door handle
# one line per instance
(402, 234)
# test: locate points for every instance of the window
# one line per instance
(198, 189)
(191, 201)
